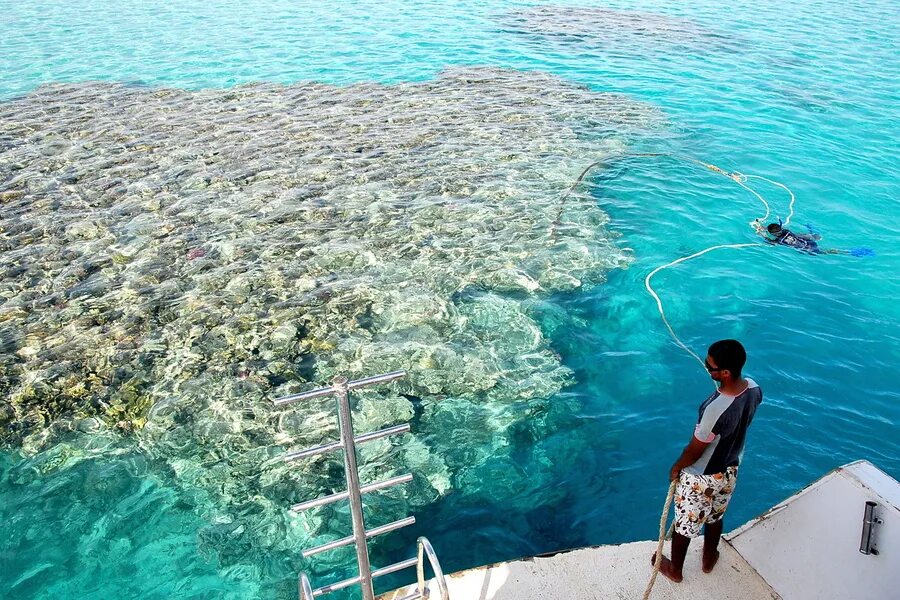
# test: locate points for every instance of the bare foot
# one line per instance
(708, 564)
(666, 568)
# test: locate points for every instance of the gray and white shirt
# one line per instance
(722, 423)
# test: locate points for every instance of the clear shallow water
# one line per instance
(760, 89)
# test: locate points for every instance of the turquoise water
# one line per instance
(803, 94)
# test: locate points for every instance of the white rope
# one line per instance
(741, 180)
(782, 186)
(736, 176)
(662, 313)
(662, 539)
(659, 305)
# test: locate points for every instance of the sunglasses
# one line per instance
(711, 368)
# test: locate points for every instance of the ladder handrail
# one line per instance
(426, 549)
(306, 591)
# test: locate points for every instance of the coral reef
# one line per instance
(619, 30)
(173, 260)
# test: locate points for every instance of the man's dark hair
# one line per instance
(774, 228)
(729, 354)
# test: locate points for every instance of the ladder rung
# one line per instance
(366, 437)
(327, 391)
(311, 451)
(344, 495)
(317, 393)
(369, 534)
(395, 567)
(353, 385)
(327, 589)
(377, 435)
(412, 596)
(354, 580)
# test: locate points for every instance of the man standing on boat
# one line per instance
(707, 469)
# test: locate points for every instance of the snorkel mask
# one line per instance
(775, 236)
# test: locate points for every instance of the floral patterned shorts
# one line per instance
(702, 499)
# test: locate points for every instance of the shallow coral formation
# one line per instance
(173, 260)
(620, 30)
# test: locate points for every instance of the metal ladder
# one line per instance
(340, 388)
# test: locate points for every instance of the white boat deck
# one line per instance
(603, 572)
(808, 547)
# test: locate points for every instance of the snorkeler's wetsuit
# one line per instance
(786, 238)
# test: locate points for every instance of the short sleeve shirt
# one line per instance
(722, 423)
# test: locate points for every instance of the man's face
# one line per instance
(714, 371)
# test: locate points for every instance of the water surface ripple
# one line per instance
(205, 204)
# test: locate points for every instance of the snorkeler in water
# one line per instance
(775, 233)
(805, 242)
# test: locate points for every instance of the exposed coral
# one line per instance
(173, 260)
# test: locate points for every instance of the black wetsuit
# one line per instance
(788, 238)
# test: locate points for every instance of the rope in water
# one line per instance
(739, 178)
(736, 176)
(577, 182)
(781, 185)
(659, 305)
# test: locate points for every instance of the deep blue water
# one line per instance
(803, 93)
